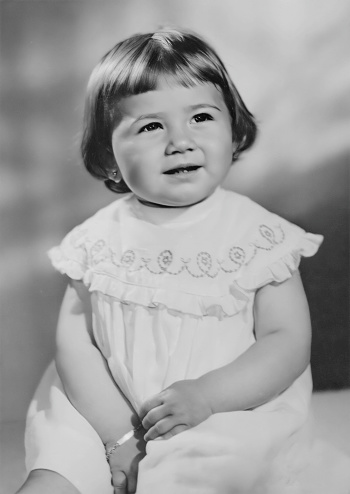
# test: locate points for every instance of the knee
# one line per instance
(44, 481)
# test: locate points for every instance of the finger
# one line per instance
(154, 416)
(132, 481)
(154, 401)
(134, 469)
(160, 428)
(119, 482)
(174, 431)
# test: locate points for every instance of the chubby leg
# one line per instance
(58, 439)
(46, 481)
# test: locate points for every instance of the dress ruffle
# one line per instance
(181, 301)
(73, 268)
(283, 268)
(150, 297)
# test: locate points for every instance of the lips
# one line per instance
(182, 169)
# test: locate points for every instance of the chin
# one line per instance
(188, 203)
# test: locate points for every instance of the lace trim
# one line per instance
(203, 264)
(89, 257)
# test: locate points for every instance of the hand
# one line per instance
(179, 407)
(124, 464)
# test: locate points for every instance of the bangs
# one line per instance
(174, 58)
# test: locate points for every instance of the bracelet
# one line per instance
(121, 441)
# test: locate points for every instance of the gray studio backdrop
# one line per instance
(289, 61)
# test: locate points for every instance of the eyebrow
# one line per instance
(148, 115)
(192, 107)
(204, 105)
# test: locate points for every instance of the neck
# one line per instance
(166, 206)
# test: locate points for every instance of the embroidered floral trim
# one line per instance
(201, 265)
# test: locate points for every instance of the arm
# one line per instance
(280, 354)
(86, 378)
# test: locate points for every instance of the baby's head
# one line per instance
(135, 66)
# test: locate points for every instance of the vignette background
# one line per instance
(289, 60)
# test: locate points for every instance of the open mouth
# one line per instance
(182, 169)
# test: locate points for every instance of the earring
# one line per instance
(235, 154)
(115, 175)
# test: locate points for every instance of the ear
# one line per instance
(115, 175)
(235, 154)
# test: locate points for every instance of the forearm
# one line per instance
(92, 391)
(84, 371)
(266, 369)
(280, 354)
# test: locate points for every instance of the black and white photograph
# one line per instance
(174, 269)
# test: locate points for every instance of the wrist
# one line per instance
(111, 448)
(204, 391)
(115, 432)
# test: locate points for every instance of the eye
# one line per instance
(202, 117)
(150, 127)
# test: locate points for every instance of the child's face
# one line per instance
(173, 146)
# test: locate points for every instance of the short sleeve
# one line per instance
(276, 252)
(71, 256)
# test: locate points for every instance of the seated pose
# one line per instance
(183, 341)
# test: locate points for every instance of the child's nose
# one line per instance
(179, 141)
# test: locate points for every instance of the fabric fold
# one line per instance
(179, 301)
(281, 269)
(73, 268)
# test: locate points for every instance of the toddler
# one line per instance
(183, 341)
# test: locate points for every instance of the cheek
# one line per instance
(220, 140)
(134, 160)
(221, 149)
(134, 175)
(228, 145)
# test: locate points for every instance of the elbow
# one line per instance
(303, 365)
(306, 353)
(72, 362)
(85, 350)
(293, 351)
(301, 356)
(61, 360)
(63, 354)
(67, 356)
(306, 361)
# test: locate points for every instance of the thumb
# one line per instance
(119, 482)
(133, 474)
(132, 481)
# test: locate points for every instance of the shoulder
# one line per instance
(89, 240)
(246, 217)
(103, 226)
(268, 246)
(105, 217)
(246, 207)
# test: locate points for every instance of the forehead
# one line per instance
(170, 96)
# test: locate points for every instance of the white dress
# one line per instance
(171, 302)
